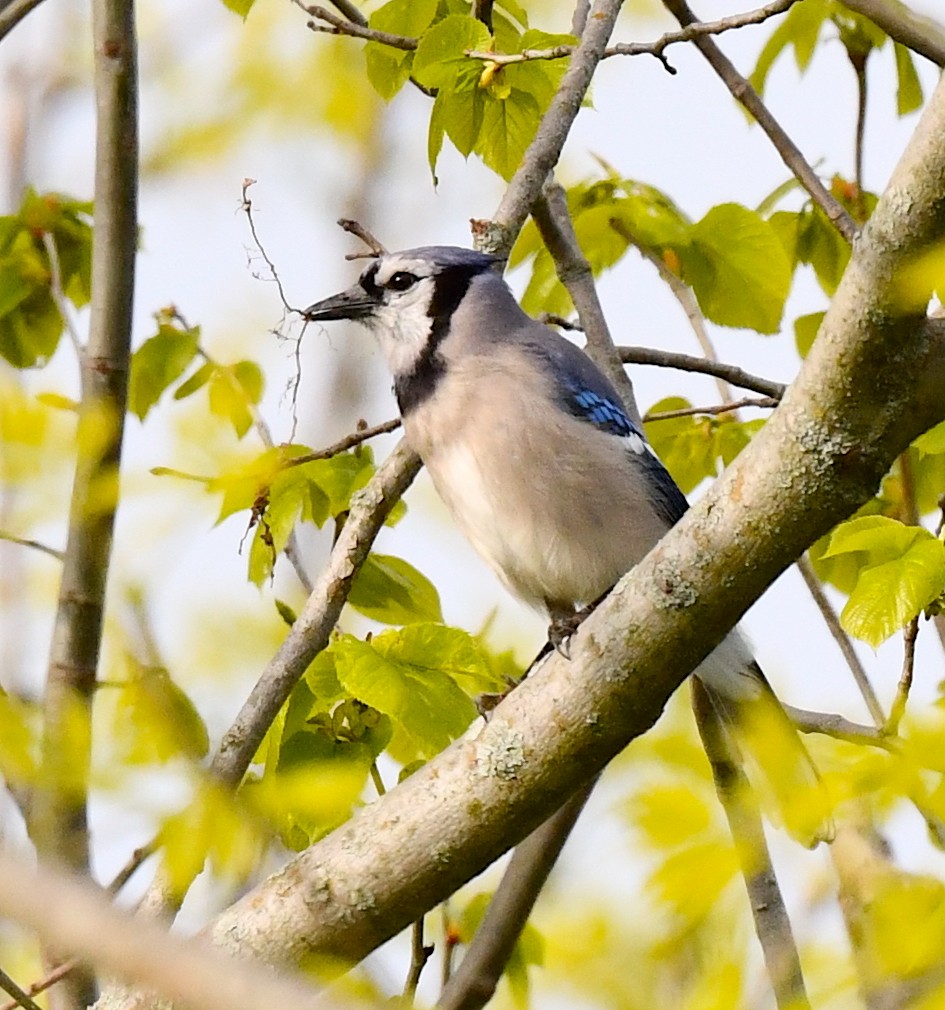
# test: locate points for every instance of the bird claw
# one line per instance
(560, 632)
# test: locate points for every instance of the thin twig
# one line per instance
(898, 709)
(744, 93)
(20, 997)
(843, 641)
(57, 974)
(348, 442)
(654, 48)
(721, 408)
(772, 925)
(690, 363)
(247, 207)
(859, 68)
(921, 34)
(358, 229)
(350, 11)
(34, 544)
(293, 548)
(839, 728)
(58, 295)
(420, 953)
(553, 218)
(335, 25)
(473, 984)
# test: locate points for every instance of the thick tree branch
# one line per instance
(743, 92)
(71, 916)
(58, 822)
(921, 34)
(772, 925)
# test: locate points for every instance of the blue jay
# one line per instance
(529, 446)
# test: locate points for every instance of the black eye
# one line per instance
(401, 280)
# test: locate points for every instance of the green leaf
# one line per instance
(392, 591)
(901, 571)
(29, 335)
(737, 268)
(233, 390)
(439, 61)
(155, 720)
(196, 381)
(685, 444)
(404, 17)
(241, 7)
(157, 363)
(412, 676)
(508, 126)
(800, 30)
(909, 95)
(822, 246)
(389, 69)
(805, 331)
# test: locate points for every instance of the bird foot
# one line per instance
(561, 630)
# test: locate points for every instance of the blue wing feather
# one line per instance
(587, 394)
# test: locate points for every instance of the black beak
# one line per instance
(355, 303)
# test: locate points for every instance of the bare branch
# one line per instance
(721, 408)
(13, 13)
(350, 11)
(357, 229)
(348, 442)
(744, 93)
(58, 822)
(335, 25)
(553, 218)
(655, 48)
(689, 363)
(475, 981)
(58, 295)
(420, 953)
(71, 916)
(842, 639)
(921, 34)
(20, 997)
(898, 709)
(839, 728)
(34, 544)
(497, 235)
(772, 925)
(247, 207)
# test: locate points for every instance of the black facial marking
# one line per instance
(367, 280)
(449, 289)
